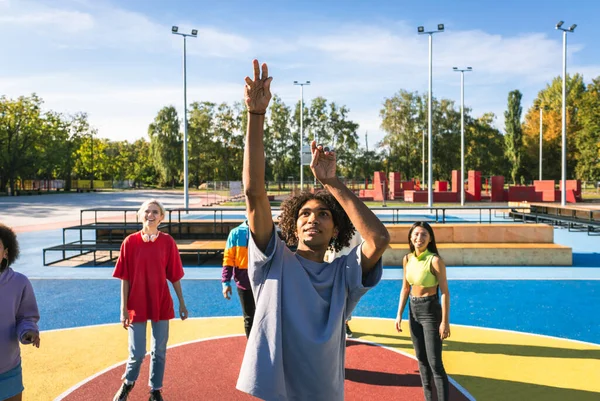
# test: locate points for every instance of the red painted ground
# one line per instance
(208, 370)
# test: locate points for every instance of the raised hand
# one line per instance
(257, 92)
(322, 163)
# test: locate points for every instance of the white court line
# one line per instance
(89, 379)
(116, 365)
(494, 329)
(458, 386)
(451, 380)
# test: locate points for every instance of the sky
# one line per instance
(118, 62)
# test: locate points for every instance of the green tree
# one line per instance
(78, 127)
(280, 144)
(403, 122)
(366, 162)
(141, 169)
(92, 160)
(345, 137)
(483, 147)
(20, 131)
(446, 138)
(52, 148)
(295, 148)
(514, 134)
(587, 139)
(550, 98)
(166, 145)
(229, 143)
(203, 149)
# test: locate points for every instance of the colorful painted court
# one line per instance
(518, 332)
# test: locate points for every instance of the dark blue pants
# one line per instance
(425, 317)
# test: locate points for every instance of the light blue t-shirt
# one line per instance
(296, 349)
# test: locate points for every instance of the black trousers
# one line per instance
(248, 308)
(425, 318)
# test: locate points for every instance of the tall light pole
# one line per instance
(301, 84)
(462, 130)
(421, 31)
(186, 194)
(423, 161)
(563, 189)
(541, 135)
(92, 146)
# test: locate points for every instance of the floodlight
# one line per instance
(421, 29)
(440, 27)
(560, 23)
(572, 27)
(194, 32)
(174, 29)
(455, 68)
(469, 68)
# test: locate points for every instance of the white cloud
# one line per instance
(69, 22)
(120, 67)
(534, 56)
(86, 25)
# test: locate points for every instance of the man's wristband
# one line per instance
(257, 114)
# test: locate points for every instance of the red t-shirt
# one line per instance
(147, 266)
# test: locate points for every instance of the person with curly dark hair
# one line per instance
(18, 317)
(290, 210)
(296, 348)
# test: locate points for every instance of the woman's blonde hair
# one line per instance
(148, 203)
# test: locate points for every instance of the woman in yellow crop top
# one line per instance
(425, 273)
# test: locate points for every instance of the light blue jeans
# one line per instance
(137, 352)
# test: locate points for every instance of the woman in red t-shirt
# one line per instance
(148, 259)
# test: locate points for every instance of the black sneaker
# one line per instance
(348, 331)
(155, 395)
(123, 392)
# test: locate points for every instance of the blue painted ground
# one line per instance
(563, 304)
(565, 309)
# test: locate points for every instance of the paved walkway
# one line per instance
(40, 212)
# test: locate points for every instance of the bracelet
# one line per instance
(257, 114)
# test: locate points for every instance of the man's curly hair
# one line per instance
(9, 241)
(289, 216)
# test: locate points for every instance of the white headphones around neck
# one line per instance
(150, 238)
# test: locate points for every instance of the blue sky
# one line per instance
(118, 61)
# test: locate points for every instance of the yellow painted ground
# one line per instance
(497, 365)
(491, 365)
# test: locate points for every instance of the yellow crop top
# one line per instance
(418, 270)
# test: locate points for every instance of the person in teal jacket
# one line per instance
(235, 264)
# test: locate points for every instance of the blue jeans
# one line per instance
(137, 352)
(425, 317)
